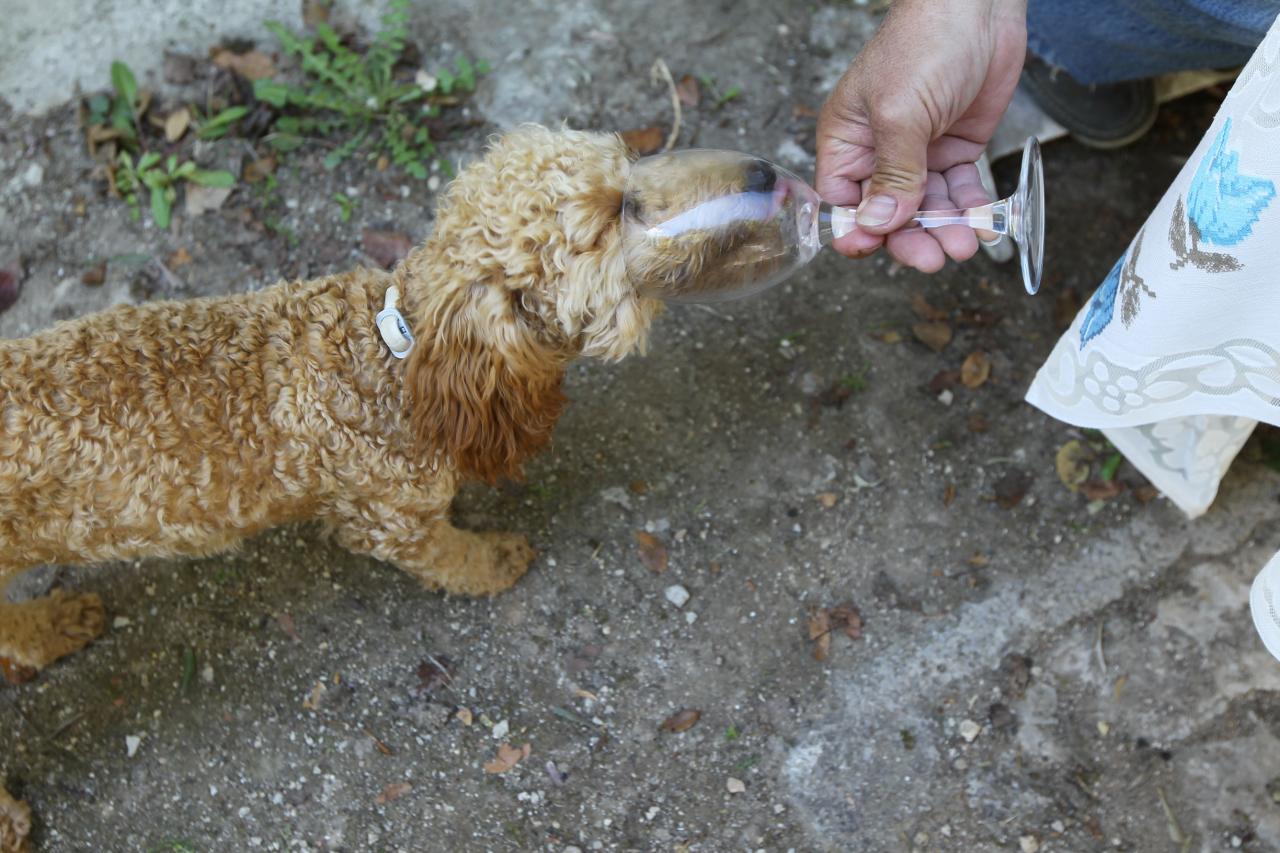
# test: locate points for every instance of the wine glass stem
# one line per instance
(834, 221)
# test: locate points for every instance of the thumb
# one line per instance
(897, 184)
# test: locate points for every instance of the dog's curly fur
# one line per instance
(183, 427)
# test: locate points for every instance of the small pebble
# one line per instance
(1058, 827)
(206, 674)
(500, 730)
(691, 617)
(34, 175)
(735, 786)
(131, 744)
(121, 622)
(677, 595)
(969, 730)
(946, 397)
(1029, 844)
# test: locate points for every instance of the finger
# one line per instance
(915, 247)
(898, 179)
(964, 185)
(957, 241)
(858, 244)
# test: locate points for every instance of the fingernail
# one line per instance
(876, 210)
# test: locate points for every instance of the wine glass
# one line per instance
(707, 226)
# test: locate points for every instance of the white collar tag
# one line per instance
(392, 326)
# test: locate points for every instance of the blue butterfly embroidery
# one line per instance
(1102, 305)
(1223, 204)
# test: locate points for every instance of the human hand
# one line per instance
(910, 118)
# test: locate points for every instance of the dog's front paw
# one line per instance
(79, 618)
(512, 555)
(74, 622)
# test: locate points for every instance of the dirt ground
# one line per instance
(1033, 671)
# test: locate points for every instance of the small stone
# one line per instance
(206, 674)
(691, 617)
(1029, 844)
(945, 829)
(969, 730)
(1236, 841)
(433, 183)
(33, 175)
(946, 398)
(677, 595)
(500, 730)
(131, 744)
(735, 786)
(921, 839)
(121, 622)
(1104, 728)
(1058, 827)
(572, 848)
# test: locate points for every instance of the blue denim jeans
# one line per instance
(1105, 41)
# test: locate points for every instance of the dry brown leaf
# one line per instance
(200, 199)
(828, 499)
(95, 276)
(688, 91)
(435, 673)
(177, 123)
(180, 258)
(1101, 490)
(313, 702)
(847, 618)
(949, 494)
(1146, 493)
(639, 487)
(889, 337)
(644, 140)
(1012, 488)
(258, 170)
(682, 720)
(978, 561)
(285, 621)
(934, 335)
(943, 380)
(254, 65)
(393, 792)
(653, 553)
(16, 673)
(464, 716)
(976, 370)
(508, 757)
(315, 12)
(925, 311)
(1072, 464)
(820, 633)
(977, 423)
(386, 247)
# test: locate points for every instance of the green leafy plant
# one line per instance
(720, 98)
(147, 174)
(345, 206)
(359, 98)
(217, 126)
(122, 111)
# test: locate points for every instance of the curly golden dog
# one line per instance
(180, 428)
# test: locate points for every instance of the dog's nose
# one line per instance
(761, 176)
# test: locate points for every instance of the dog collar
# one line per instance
(392, 326)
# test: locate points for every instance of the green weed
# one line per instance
(359, 98)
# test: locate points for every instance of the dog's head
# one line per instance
(523, 272)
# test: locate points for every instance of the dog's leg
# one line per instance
(444, 557)
(15, 824)
(33, 634)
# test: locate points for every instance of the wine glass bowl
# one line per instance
(707, 226)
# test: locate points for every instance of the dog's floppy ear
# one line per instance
(482, 389)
